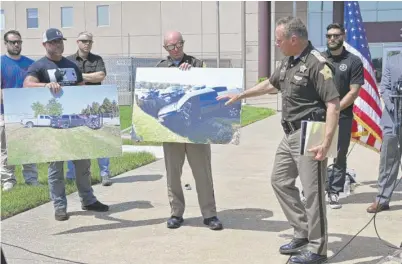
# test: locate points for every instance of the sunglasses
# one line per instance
(329, 36)
(86, 41)
(171, 47)
(13, 42)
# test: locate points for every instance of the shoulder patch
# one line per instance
(326, 72)
(318, 55)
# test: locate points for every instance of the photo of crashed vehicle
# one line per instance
(197, 106)
(70, 121)
(182, 106)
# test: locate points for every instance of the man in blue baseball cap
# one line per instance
(54, 71)
(52, 34)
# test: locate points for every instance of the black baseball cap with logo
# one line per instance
(52, 34)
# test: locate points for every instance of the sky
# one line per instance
(18, 101)
(232, 77)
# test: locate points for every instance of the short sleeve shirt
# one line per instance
(348, 70)
(306, 84)
(64, 72)
(93, 63)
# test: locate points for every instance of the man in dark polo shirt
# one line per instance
(348, 79)
(94, 72)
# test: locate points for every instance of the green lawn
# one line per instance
(249, 115)
(22, 197)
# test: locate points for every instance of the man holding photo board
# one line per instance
(44, 73)
(198, 155)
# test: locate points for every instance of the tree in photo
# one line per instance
(115, 109)
(39, 109)
(54, 108)
(106, 106)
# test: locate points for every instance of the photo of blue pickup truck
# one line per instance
(196, 106)
(181, 106)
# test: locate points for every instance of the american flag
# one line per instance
(367, 110)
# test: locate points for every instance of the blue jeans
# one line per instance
(83, 181)
(103, 164)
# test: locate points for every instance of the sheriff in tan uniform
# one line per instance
(198, 155)
(305, 80)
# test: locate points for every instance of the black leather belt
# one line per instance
(290, 127)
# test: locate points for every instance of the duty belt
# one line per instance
(290, 127)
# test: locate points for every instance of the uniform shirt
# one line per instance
(13, 73)
(306, 84)
(64, 72)
(169, 62)
(93, 63)
(348, 70)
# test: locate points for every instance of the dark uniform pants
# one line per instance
(199, 158)
(337, 173)
(308, 221)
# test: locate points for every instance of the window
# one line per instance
(374, 11)
(102, 12)
(319, 17)
(32, 18)
(67, 17)
(2, 20)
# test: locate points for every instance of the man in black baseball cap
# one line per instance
(52, 34)
(55, 71)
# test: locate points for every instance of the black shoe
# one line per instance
(307, 257)
(213, 223)
(61, 215)
(96, 206)
(293, 246)
(174, 222)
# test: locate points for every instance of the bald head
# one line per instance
(173, 43)
(172, 37)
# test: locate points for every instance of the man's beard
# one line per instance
(339, 44)
(14, 53)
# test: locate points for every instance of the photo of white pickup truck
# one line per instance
(39, 121)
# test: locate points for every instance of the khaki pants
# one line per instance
(199, 158)
(309, 221)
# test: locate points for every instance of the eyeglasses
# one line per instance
(171, 47)
(87, 41)
(13, 42)
(329, 36)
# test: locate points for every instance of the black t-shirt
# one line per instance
(348, 70)
(64, 72)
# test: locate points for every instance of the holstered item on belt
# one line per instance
(290, 127)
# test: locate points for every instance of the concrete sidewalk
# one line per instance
(134, 230)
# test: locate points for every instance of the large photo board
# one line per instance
(171, 105)
(80, 122)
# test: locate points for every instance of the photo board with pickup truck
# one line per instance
(171, 105)
(79, 122)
